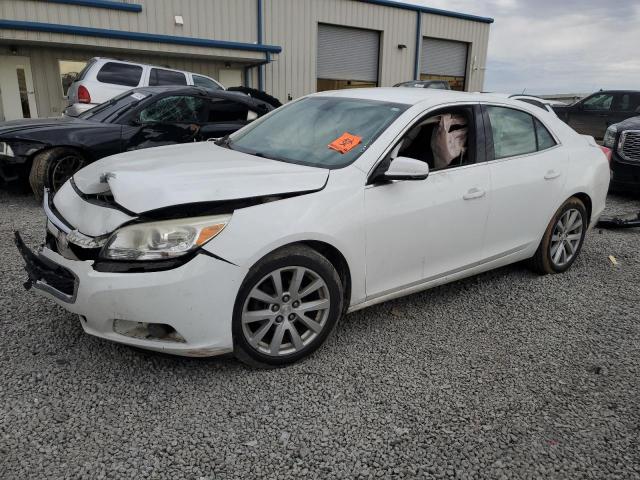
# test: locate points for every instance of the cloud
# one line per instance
(558, 46)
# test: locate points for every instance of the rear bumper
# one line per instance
(196, 299)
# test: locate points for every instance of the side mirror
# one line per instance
(405, 168)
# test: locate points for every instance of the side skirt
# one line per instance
(512, 256)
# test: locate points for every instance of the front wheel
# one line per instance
(53, 167)
(562, 240)
(286, 307)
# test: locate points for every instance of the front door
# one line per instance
(17, 98)
(424, 229)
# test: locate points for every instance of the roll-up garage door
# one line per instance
(443, 58)
(348, 53)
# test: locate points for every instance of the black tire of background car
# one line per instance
(43, 167)
(295, 255)
(258, 94)
(541, 262)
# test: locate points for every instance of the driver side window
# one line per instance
(600, 101)
(443, 139)
(175, 109)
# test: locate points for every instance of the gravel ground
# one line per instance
(504, 375)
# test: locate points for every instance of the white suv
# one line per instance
(104, 78)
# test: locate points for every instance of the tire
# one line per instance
(549, 257)
(258, 94)
(45, 173)
(278, 335)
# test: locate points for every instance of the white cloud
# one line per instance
(558, 46)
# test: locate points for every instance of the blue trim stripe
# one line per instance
(144, 37)
(108, 4)
(434, 11)
(416, 69)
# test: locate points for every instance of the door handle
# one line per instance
(474, 193)
(551, 174)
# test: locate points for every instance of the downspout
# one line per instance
(261, 67)
(416, 70)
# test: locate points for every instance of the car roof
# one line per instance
(413, 96)
(408, 96)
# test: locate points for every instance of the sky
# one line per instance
(557, 46)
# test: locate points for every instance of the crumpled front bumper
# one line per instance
(196, 299)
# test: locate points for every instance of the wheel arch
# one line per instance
(332, 254)
(588, 204)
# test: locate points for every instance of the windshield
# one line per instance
(107, 112)
(324, 132)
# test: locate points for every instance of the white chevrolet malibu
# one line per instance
(257, 244)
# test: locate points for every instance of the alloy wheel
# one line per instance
(285, 311)
(63, 169)
(566, 237)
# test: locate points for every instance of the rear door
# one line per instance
(528, 171)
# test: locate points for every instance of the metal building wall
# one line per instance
(294, 25)
(474, 33)
(46, 76)
(230, 20)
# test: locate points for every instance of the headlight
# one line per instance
(165, 239)
(5, 149)
(610, 136)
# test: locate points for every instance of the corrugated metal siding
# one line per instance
(293, 24)
(294, 71)
(46, 75)
(348, 53)
(443, 57)
(231, 20)
(474, 33)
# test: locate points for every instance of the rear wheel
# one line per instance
(563, 239)
(52, 168)
(286, 307)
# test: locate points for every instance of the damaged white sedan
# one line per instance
(257, 244)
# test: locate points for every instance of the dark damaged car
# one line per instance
(49, 151)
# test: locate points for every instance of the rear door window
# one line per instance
(159, 76)
(227, 111)
(205, 82)
(627, 102)
(513, 132)
(120, 74)
(544, 137)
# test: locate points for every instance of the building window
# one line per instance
(69, 72)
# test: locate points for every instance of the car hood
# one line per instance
(161, 177)
(26, 126)
(629, 123)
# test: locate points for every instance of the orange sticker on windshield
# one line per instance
(345, 143)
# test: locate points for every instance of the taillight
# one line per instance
(83, 95)
(607, 151)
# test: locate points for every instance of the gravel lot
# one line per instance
(505, 375)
